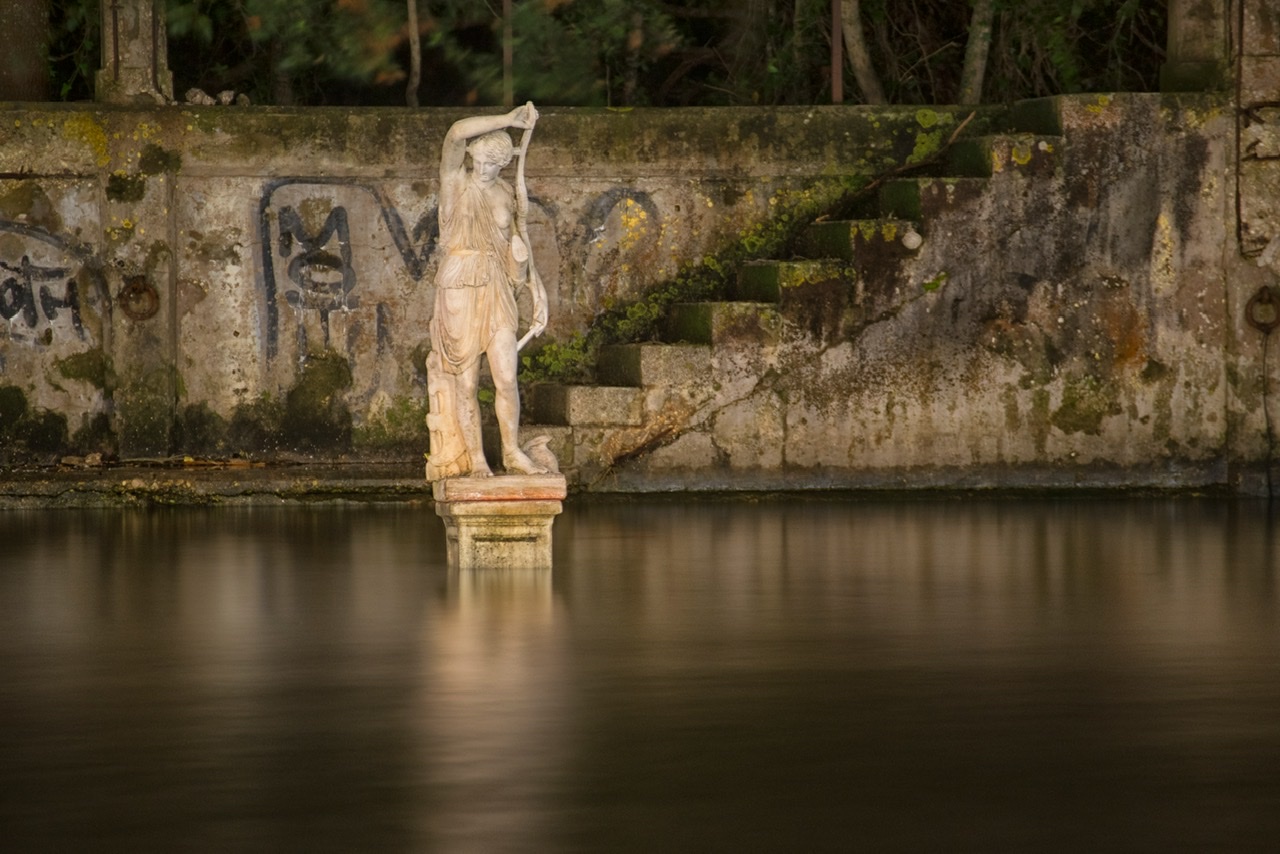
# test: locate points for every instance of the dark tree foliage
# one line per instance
(74, 53)
(1039, 47)
(624, 52)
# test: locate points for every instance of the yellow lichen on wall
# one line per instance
(1164, 256)
(83, 128)
(634, 220)
(997, 161)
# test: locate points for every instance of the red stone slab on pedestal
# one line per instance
(509, 487)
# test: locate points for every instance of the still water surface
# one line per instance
(692, 676)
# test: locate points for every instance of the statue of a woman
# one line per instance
(483, 262)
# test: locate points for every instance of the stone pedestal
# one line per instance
(499, 522)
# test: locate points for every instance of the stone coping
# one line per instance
(277, 484)
(535, 487)
(143, 485)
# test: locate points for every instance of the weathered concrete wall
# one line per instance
(222, 280)
(1068, 320)
(242, 280)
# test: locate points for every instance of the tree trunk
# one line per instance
(837, 54)
(976, 51)
(508, 57)
(635, 41)
(415, 55)
(859, 58)
(281, 82)
(24, 62)
(743, 45)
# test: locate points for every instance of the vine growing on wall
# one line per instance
(709, 278)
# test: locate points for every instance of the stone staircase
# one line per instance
(658, 400)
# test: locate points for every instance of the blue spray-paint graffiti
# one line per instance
(30, 291)
(319, 270)
(18, 293)
(323, 276)
(325, 281)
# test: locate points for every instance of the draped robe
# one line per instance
(475, 299)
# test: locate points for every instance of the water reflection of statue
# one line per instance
(484, 260)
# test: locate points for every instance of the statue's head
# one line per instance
(493, 147)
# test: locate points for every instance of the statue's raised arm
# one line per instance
(453, 153)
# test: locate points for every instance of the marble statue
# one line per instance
(485, 259)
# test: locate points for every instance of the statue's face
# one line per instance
(487, 168)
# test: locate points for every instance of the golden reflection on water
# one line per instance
(495, 714)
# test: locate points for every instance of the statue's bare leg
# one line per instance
(469, 420)
(503, 359)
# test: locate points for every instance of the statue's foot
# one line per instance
(480, 469)
(517, 462)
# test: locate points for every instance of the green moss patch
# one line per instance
(399, 428)
(43, 431)
(145, 404)
(13, 407)
(1086, 401)
(26, 433)
(202, 432)
(29, 200)
(156, 160)
(96, 435)
(126, 188)
(315, 415)
(91, 366)
(256, 426)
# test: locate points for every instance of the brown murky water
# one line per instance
(693, 676)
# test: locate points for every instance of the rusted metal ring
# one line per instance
(1262, 311)
(138, 298)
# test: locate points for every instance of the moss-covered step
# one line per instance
(720, 322)
(985, 156)
(766, 281)
(917, 199)
(583, 405)
(1037, 115)
(652, 365)
(853, 239)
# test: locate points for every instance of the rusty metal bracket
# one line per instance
(138, 298)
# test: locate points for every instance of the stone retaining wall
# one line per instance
(235, 280)
(227, 279)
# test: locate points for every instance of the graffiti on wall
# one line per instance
(309, 258)
(1258, 214)
(41, 276)
(310, 261)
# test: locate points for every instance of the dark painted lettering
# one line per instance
(24, 294)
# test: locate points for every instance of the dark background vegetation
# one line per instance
(599, 52)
